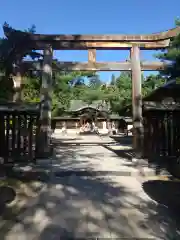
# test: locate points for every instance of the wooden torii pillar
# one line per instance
(17, 80)
(44, 145)
(137, 102)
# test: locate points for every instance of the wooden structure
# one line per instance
(161, 114)
(162, 130)
(79, 111)
(18, 132)
(96, 112)
(73, 122)
(134, 43)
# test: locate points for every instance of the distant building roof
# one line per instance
(77, 105)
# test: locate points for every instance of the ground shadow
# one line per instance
(7, 194)
(53, 231)
(123, 153)
(160, 165)
(123, 140)
(164, 192)
(91, 206)
(32, 174)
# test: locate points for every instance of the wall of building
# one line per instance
(73, 123)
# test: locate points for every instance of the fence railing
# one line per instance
(19, 126)
(162, 131)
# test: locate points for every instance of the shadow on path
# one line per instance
(91, 206)
(123, 153)
(164, 192)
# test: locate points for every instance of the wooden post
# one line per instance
(17, 79)
(45, 115)
(137, 102)
(91, 55)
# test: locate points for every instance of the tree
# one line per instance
(95, 82)
(32, 29)
(152, 82)
(8, 58)
(120, 91)
(113, 80)
(90, 95)
(10, 48)
(124, 84)
(172, 56)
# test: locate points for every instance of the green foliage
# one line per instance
(31, 89)
(10, 48)
(172, 56)
(121, 89)
(113, 80)
(117, 94)
(151, 83)
(95, 82)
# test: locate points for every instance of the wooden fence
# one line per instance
(162, 131)
(19, 126)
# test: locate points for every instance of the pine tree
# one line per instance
(172, 56)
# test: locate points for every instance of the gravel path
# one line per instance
(89, 195)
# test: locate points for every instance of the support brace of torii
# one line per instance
(134, 43)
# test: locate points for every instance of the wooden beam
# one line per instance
(100, 45)
(137, 101)
(152, 66)
(114, 66)
(97, 66)
(104, 37)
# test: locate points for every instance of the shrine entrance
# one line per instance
(85, 118)
(89, 120)
(23, 41)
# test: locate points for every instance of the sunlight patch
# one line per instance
(120, 147)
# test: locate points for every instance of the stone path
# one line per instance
(99, 202)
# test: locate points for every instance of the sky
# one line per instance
(92, 17)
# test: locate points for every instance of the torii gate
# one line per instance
(133, 43)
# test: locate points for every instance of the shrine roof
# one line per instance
(168, 90)
(78, 105)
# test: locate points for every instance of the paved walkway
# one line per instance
(99, 202)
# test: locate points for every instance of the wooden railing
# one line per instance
(19, 126)
(162, 131)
